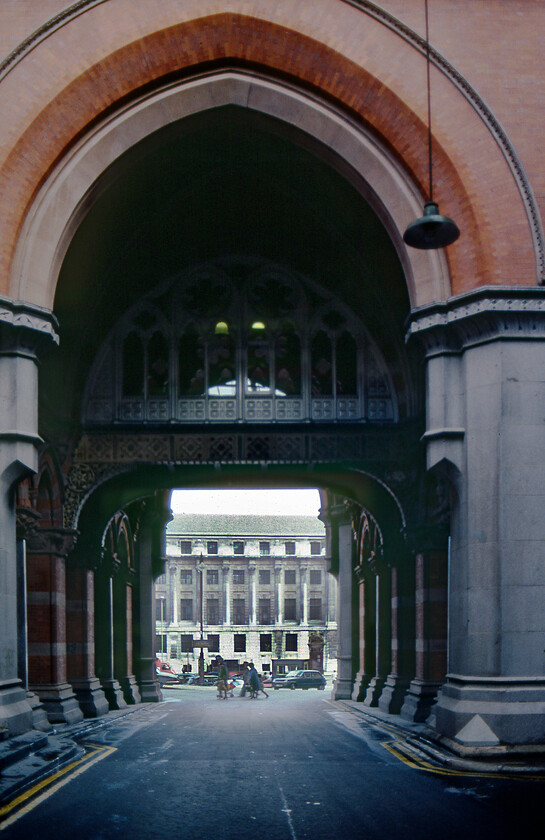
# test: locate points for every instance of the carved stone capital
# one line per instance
(59, 541)
(27, 520)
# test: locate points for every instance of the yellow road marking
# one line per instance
(74, 769)
(422, 764)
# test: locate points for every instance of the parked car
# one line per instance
(300, 679)
(165, 674)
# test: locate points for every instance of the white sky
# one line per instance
(285, 501)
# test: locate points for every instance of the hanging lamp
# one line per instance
(432, 230)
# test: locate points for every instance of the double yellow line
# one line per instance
(398, 749)
(41, 791)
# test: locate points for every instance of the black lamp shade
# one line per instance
(431, 230)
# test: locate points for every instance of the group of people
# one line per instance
(253, 685)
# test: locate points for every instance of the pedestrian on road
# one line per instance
(223, 681)
(245, 677)
(254, 682)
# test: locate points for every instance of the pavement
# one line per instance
(35, 757)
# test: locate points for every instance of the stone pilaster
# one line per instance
(47, 653)
(485, 369)
(24, 330)
(340, 533)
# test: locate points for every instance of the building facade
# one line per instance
(265, 589)
(204, 283)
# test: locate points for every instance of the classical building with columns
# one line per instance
(204, 282)
(261, 585)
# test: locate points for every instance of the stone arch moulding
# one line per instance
(79, 177)
(163, 39)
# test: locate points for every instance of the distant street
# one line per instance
(295, 766)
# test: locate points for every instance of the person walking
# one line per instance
(254, 682)
(223, 680)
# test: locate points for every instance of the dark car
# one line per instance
(300, 679)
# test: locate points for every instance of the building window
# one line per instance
(213, 642)
(315, 609)
(212, 611)
(212, 576)
(315, 576)
(290, 609)
(161, 579)
(238, 547)
(161, 609)
(264, 575)
(161, 644)
(264, 611)
(289, 576)
(186, 643)
(239, 611)
(290, 547)
(238, 576)
(186, 609)
(264, 548)
(185, 547)
(265, 642)
(315, 547)
(291, 642)
(239, 643)
(212, 547)
(186, 576)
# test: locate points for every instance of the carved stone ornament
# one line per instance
(59, 541)
(27, 522)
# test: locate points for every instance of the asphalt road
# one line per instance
(295, 766)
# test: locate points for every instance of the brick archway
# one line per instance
(82, 99)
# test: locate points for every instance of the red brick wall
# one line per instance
(385, 89)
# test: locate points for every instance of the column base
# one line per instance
(419, 699)
(393, 694)
(342, 686)
(361, 684)
(374, 690)
(90, 697)
(113, 693)
(15, 710)
(60, 702)
(487, 715)
(130, 690)
(150, 691)
(39, 716)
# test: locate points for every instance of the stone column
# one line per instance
(431, 634)
(366, 634)
(304, 581)
(485, 431)
(402, 638)
(104, 630)
(122, 629)
(148, 554)
(46, 571)
(23, 331)
(227, 594)
(253, 595)
(279, 591)
(80, 633)
(338, 520)
(382, 636)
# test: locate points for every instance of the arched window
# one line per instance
(346, 366)
(222, 372)
(288, 362)
(322, 366)
(158, 368)
(191, 365)
(258, 361)
(133, 366)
